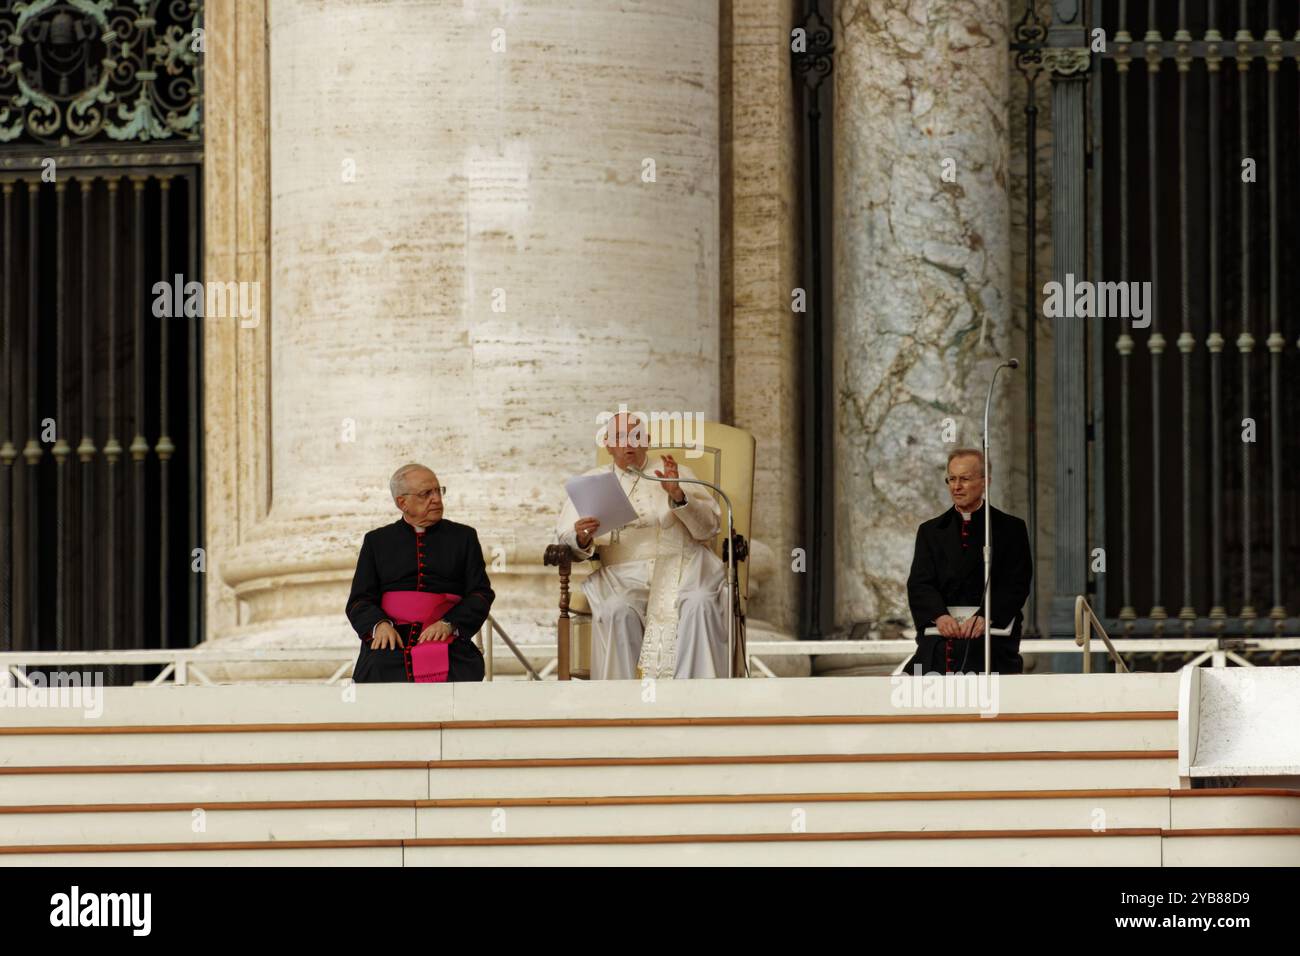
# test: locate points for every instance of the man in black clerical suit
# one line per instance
(421, 561)
(948, 572)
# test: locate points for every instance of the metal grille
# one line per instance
(1201, 536)
(100, 429)
(99, 448)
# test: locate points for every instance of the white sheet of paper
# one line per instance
(601, 497)
(961, 613)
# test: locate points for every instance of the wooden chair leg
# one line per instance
(558, 555)
(562, 634)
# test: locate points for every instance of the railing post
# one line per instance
(1083, 632)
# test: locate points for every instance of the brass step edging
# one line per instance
(589, 722)
(705, 838)
(509, 763)
(647, 800)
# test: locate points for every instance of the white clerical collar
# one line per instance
(626, 472)
(967, 515)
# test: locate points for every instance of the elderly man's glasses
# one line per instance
(962, 479)
(440, 490)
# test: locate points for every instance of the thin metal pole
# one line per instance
(112, 447)
(1245, 341)
(7, 450)
(86, 447)
(1031, 331)
(32, 451)
(194, 431)
(1155, 341)
(164, 447)
(1215, 342)
(1186, 341)
(1276, 343)
(139, 446)
(1098, 326)
(988, 527)
(1124, 342)
(61, 446)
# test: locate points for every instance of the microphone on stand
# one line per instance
(988, 524)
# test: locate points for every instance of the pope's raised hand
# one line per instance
(673, 489)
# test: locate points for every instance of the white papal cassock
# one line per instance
(657, 599)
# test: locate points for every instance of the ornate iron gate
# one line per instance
(1171, 148)
(100, 178)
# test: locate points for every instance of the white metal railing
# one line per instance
(1084, 623)
(185, 666)
(540, 660)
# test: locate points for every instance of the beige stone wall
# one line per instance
(761, 221)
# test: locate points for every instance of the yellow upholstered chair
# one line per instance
(728, 461)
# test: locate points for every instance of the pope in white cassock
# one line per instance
(657, 600)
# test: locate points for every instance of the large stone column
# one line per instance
(921, 274)
(760, 267)
(468, 260)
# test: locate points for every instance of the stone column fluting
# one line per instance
(489, 222)
(922, 272)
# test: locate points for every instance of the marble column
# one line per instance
(922, 273)
(760, 267)
(487, 222)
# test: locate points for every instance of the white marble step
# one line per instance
(198, 787)
(251, 703)
(544, 780)
(985, 736)
(1002, 851)
(267, 856)
(1218, 851)
(1224, 811)
(195, 824)
(646, 817)
(1090, 850)
(809, 777)
(490, 743)
(295, 746)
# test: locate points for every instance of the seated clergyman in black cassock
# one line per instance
(420, 592)
(948, 572)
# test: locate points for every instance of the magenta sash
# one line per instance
(426, 663)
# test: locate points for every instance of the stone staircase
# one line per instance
(1073, 769)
